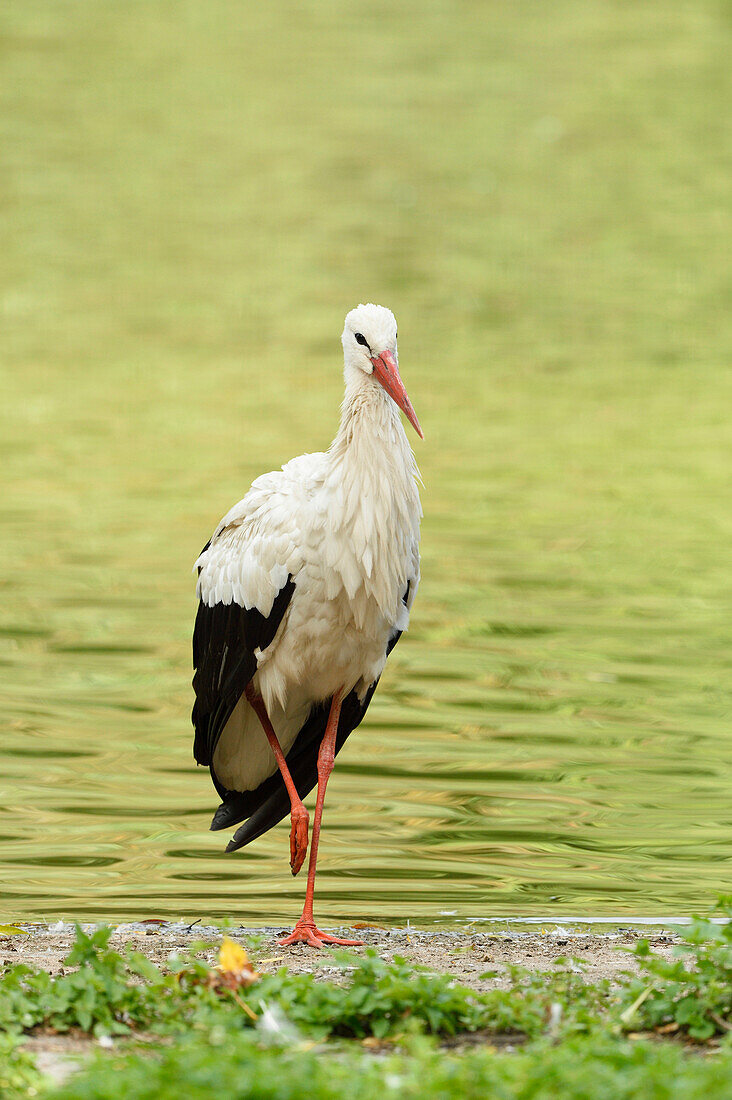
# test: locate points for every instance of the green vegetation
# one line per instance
(229, 1031)
(693, 993)
(240, 1070)
(99, 997)
(19, 1077)
(112, 994)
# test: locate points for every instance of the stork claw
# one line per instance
(300, 820)
(306, 932)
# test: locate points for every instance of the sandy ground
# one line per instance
(464, 954)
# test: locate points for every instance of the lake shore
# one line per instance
(465, 955)
(479, 959)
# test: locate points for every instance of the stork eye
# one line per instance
(362, 340)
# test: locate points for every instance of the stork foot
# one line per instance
(299, 819)
(306, 932)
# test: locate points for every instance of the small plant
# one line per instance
(557, 1002)
(99, 996)
(691, 993)
(19, 1077)
(378, 999)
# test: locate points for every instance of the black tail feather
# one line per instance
(232, 810)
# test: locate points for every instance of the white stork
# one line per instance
(304, 589)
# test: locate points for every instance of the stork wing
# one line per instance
(270, 802)
(225, 638)
(245, 584)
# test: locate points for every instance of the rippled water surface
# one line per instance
(193, 204)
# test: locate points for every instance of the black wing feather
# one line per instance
(224, 640)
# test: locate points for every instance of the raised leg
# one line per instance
(299, 816)
(305, 930)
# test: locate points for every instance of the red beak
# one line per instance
(387, 372)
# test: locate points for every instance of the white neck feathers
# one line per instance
(373, 476)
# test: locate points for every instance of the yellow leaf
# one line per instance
(233, 959)
(11, 930)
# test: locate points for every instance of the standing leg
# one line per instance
(299, 817)
(305, 930)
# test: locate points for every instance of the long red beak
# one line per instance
(387, 372)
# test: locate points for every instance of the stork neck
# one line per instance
(369, 418)
(373, 502)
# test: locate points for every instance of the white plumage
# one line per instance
(344, 525)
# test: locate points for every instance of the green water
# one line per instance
(192, 195)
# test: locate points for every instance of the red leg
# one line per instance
(299, 817)
(305, 930)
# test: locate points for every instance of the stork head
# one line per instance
(370, 345)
